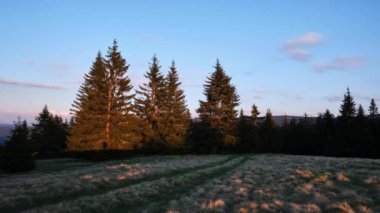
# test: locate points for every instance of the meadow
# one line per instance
(196, 183)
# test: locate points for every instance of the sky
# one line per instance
(292, 57)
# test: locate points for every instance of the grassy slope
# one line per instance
(236, 183)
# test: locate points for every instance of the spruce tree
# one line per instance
(268, 134)
(269, 122)
(254, 114)
(176, 115)
(360, 116)
(347, 109)
(149, 106)
(373, 110)
(102, 113)
(120, 120)
(87, 126)
(247, 133)
(218, 111)
(48, 133)
(17, 155)
(328, 118)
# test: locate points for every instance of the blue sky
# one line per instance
(290, 56)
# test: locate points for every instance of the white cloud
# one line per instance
(298, 54)
(340, 63)
(294, 48)
(308, 39)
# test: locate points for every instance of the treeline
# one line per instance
(108, 115)
(46, 138)
(352, 133)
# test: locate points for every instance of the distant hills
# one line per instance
(5, 129)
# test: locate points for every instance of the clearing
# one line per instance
(196, 183)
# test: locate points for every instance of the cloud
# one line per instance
(294, 48)
(30, 84)
(308, 39)
(298, 54)
(340, 64)
(334, 98)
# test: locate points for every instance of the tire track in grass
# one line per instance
(160, 204)
(93, 167)
(103, 189)
(132, 197)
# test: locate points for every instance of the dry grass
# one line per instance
(281, 183)
(263, 183)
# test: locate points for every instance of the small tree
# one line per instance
(360, 116)
(269, 122)
(17, 155)
(373, 110)
(347, 109)
(254, 114)
(48, 133)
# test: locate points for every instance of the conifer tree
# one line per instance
(360, 115)
(218, 110)
(373, 110)
(269, 122)
(268, 134)
(347, 109)
(17, 155)
(254, 113)
(48, 133)
(176, 115)
(149, 106)
(120, 120)
(103, 115)
(328, 118)
(87, 126)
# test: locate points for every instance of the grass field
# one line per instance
(216, 183)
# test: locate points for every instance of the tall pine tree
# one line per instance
(87, 128)
(103, 114)
(218, 112)
(120, 120)
(177, 115)
(149, 106)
